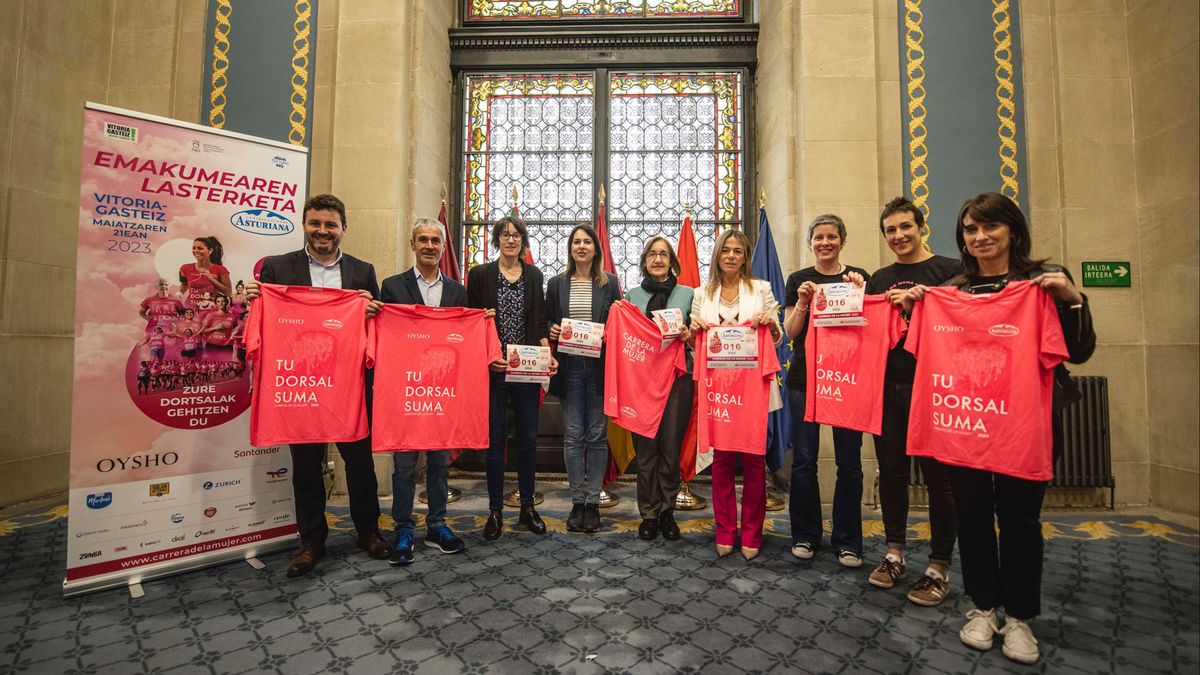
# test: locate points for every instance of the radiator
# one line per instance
(1086, 460)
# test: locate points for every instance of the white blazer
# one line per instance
(758, 299)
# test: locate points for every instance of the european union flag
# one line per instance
(765, 265)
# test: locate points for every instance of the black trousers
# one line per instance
(891, 450)
(309, 488)
(1005, 573)
(658, 458)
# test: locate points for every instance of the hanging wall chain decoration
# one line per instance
(300, 47)
(918, 152)
(1006, 107)
(216, 99)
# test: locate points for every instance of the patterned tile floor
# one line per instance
(1121, 594)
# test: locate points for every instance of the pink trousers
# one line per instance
(754, 498)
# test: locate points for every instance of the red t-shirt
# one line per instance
(732, 402)
(310, 347)
(431, 377)
(224, 323)
(846, 366)
(161, 312)
(982, 396)
(638, 372)
(197, 283)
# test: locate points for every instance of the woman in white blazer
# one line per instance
(733, 296)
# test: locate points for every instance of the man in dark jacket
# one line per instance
(322, 263)
(423, 284)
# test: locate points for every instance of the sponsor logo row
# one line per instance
(180, 537)
(102, 500)
(178, 518)
(170, 458)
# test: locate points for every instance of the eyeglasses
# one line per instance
(511, 236)
(657, 254)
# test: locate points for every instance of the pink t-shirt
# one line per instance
(431, 377)
(198, 284)
(982, 396)
(638, 372)
(224, 323)
(309, 346)
(161, 312)
(846, 366)
(732, 403)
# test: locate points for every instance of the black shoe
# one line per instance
(531, 520)
(495, 525)
(575, 520)
(591, 518)
(648, 530)
(666, 525)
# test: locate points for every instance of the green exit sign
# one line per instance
(1107, 274)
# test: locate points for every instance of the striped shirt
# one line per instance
(579, 307)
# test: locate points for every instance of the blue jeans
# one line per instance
(585, 433)
(805, 498)
(404, 487)
(523, 399)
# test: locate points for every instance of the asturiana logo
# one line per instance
(262, 221)
(332, 324)
(1004, 330)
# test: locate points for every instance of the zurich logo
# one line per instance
(208, 485)
(262, 221)
(99, 501)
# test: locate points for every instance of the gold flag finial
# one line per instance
(515, 195)
(762, 197)
(601, 193)
(444, 193)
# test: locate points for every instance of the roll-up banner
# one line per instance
(173, 219)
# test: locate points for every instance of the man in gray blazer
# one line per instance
(322, 263)
(422, 284)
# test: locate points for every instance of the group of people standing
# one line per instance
(964, 503)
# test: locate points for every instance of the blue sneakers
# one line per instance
(402, 551)
(443, 539)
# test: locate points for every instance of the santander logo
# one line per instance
(333, 324)
(1004, 330)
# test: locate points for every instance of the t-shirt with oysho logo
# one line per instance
(846, 368)
(732, 403)
(309, 346)
(431, 377)
(982, 396)
(638, 372)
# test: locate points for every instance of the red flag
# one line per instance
(449, 262)
(688, 276)
(528, 257)
(686, 250)
(610, 265)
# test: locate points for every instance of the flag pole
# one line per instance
(607, 499)
(685, 499)
(774, 503)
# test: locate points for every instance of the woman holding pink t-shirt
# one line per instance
(1006, 571)
(732, 297)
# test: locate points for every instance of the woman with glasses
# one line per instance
(658, 458)
(584, 292)
(514, 290)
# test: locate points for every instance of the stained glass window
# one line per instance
(540, 10)
(534, 133)
(674, 140)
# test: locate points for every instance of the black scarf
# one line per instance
(659, 291)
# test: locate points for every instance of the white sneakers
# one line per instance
(802, 550)
(981, 626)
(1019, 643)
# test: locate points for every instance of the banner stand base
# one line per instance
(136, 591)
(256, 563)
